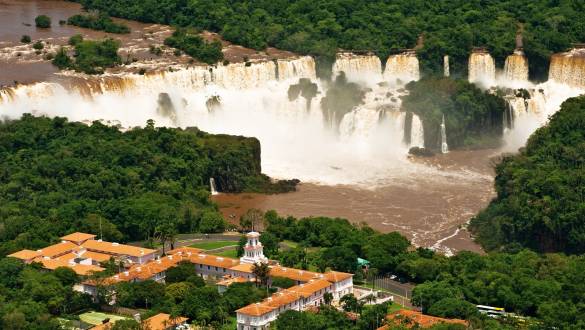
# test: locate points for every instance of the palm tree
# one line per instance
(262, 272)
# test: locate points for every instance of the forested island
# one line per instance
(541, 190)
(320, 28)
(473, 117)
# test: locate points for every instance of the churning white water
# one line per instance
(367, 148)
(250, 101)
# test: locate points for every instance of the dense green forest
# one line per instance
(541, 191)
(449, 27)
(473, 117)
(99, 21)
(90, 56)
(57, 177)
(195, 46)
(548, 287)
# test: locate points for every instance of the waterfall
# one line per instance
(446, 70)
(403, 67)
(482, 68)
(444, 146)
(568, 68)
(361, 68)
(303, 67)
(417, 135)
(516, 68)
(244, 75)
(212, 187)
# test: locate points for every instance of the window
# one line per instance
(208, 267)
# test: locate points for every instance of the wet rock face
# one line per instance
(165, 107)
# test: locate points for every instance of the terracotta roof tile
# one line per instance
(57, 249)
(335, 277)
(294, 274)
(25, 254)
(309, 288)
(116, 248)
(244, 268)
(162, 321)
(211, 260)
(423, 321)
(256, 309)
(78, 237)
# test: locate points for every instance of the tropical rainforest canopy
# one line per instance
(541, 190)
(448, 27)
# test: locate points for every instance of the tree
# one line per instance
(212, 222)
(239, 295)
(385, 251)
(66, 275)
(252, 220)
(350, 303)
(182, 272)
(61, 59)
(261, 272)
(43, 21)
(127, 324)
(25, 39)
(427, 294)
(270, 244)
(327, 298)
(178, 291)
(203, 306)
(453, 308)
(282, 282)
(340, 258)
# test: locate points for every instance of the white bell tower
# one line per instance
(253, 250)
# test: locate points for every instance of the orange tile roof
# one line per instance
(162, 321)
(57, 249)
(244, 268)
(25, 254)
(307, 289)
(185, 250)
(281, 298)
(415, 318)
(53, 264)
(210, 260)
(99, 257)
(256, 309)
(116, 248)
(66, 257)
(294, 274)
(335, 277)
(78, 237)
(231, 280)
(284, 297)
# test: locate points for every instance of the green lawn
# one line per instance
(229, 254)
(96, 318)
(210, 245)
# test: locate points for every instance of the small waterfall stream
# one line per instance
(212, 187)
(444, 146)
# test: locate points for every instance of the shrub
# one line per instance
(25, 39)
(74, 40)
(43, 21)
(38, 45)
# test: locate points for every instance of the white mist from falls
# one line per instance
(253, 101)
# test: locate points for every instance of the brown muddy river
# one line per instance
(428, 212)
